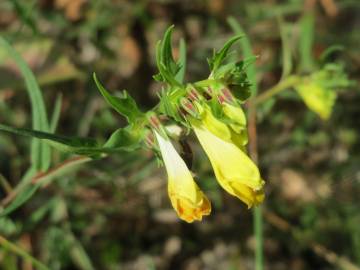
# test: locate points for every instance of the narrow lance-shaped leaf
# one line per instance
(125, 105)
(219, 56)
(168, 68)
(182, 62)
(56, 113)
(285, 34)
(66, 144)
(166, 51)
(126, 140)
(40, 153)
(247, 51)
(26, 193)
(306, 42)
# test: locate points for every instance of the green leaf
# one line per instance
(56, 113)
(125, 105)
(166, 52)
(220, 55)
(329, 51)
(26, 193)
(306, 42)
(78, 253)
(182, 62)
(238, 82)
(121, 140)
(285, 34)
(84, 146)
(40, 152)
(24, 11)
(168, 68)
(169, 106)
(247, 51)
(7, 245)
(125, 138)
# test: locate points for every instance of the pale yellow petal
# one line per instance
(188, 200)
(317, 98)
(214, 125)
(229, 160)
(236, 114)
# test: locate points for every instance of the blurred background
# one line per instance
(114, 213)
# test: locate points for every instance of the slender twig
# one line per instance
(22, 253)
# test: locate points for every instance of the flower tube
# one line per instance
(187, 199)
(233, 169)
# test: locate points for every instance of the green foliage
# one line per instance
(168, 68)
(219, 56)
(180, 75)
(306, 42)
(121, 140)
(247, 51)
(40, 152)
(26, 193)
(125, 104)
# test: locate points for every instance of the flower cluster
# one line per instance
(210, 108)
(223, 137)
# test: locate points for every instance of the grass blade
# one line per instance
(306, 42)
(40, 152)
(22, 253)
(56, 114)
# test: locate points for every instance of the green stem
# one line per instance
(251, 73)
(22, 253)
(281, 86)
(258, 221)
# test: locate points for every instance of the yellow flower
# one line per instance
(318, 98)
(234, 133)
(234, 170)
(236, 114)
(187, 199)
